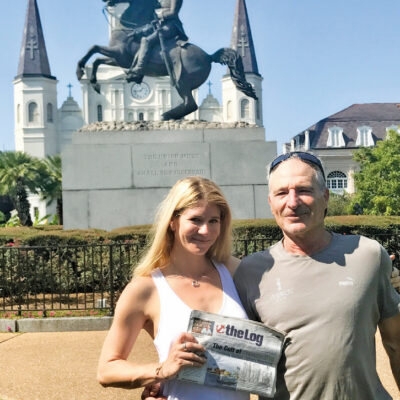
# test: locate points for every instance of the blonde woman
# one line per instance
(182, 270)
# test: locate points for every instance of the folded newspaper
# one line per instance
(241, 354)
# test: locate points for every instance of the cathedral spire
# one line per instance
(242, 40)
(33, 59)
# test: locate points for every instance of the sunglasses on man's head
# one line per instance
(308, 157)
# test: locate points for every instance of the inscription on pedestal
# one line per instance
(163, 165)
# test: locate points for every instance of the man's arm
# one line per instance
(390, 332)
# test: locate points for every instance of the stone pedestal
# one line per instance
(116, 174)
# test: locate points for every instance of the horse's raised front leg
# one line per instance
(105, 51)
(96, 63)
(186, 107)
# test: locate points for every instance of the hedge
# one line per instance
(62, 270)
(243, 229)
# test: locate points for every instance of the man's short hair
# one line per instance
(313, 161)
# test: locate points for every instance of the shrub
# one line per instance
(339, 204)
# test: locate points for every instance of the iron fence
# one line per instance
(90, 277)
(65, 278)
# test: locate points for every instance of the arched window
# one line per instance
(141, 116)
(337, 181)
(33, 112)
(18, 113)
(229, 110)
(100, 113)
(244, 109)
(258, 111)
(49, 112)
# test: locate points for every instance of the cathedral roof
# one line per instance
(378, 116)
(70, 105)
(210, 101)
(242, 39)
(33, 59)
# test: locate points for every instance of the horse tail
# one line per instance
(232, 59)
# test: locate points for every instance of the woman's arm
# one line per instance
(136, 309)
(130, 317)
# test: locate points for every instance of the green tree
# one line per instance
(378, 181)
(19, 173)
(50, 183)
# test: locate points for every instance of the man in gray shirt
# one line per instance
(329, 292)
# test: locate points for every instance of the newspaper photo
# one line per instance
(241, 354)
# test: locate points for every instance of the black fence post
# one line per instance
(112, 306)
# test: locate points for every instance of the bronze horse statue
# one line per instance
(189, 64)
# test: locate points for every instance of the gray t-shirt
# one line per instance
(330, 305)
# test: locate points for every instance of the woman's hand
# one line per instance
(184, 352)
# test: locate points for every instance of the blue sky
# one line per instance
(316, 57)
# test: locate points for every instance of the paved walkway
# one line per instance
(62, 366)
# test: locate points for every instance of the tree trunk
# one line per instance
(22, 205)
(60, 211)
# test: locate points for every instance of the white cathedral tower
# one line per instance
(41, 129)
(35, 92)
(236, 105)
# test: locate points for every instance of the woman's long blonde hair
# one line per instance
(186, 193)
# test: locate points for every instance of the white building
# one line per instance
(43, 129)
(335, 138)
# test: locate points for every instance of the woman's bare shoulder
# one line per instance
(136, 294)
(232, 264)
(141, 287)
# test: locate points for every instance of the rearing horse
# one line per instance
(191, 65)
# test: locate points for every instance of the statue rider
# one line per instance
(170, 26)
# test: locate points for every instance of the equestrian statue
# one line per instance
(152, 42)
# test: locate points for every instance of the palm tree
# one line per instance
(19, 172)
(50, 185)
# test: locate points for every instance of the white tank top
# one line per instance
(174, 319)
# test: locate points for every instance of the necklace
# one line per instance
(195, 283)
